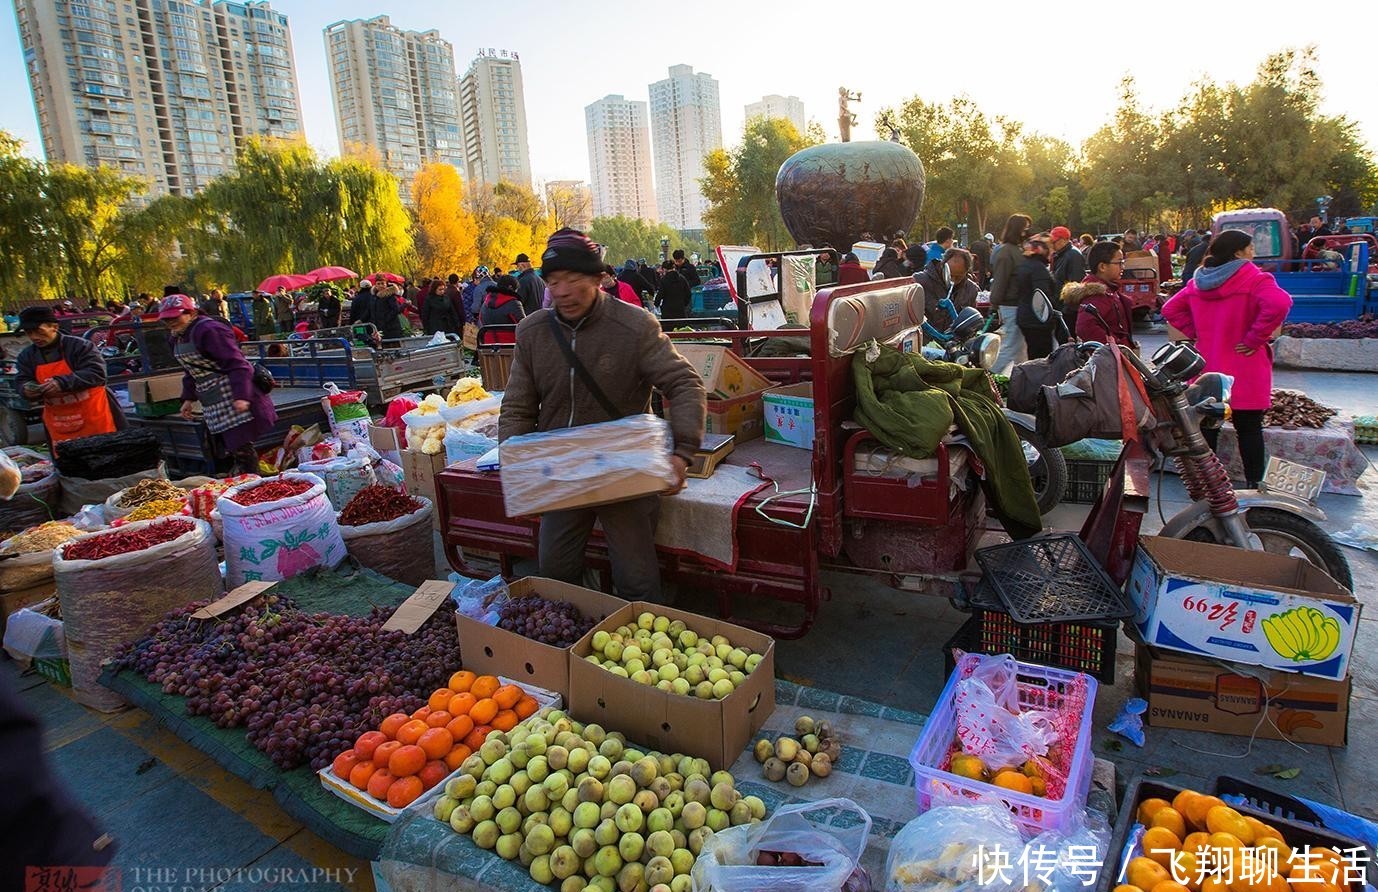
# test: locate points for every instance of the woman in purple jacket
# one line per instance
(218, 375)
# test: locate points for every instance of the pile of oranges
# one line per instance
(1211, 847)
(409, 754)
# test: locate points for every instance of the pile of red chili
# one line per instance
(270, 492)
(125, 541)
(375, 504)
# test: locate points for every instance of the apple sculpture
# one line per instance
(836, 193)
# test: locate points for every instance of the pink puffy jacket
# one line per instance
(1246, 308)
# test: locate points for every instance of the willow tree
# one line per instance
(28, 266)
(87, 216)
(283, 210)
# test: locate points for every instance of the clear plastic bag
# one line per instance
(10, 477)
(1066, 861)
(479, 599)
(728, 861)
(955, 849)
(990, 723)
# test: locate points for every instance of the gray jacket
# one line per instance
(1002, 269)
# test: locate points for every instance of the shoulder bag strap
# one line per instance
(580, 371)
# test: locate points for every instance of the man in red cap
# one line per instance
(1068, 265)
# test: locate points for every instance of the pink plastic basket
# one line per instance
(1070, 695)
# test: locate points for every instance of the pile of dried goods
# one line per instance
(1293, 409)
(107, 545)
(270, 492)
(304, 685)
(151, 490)
(377, 504)
(157, 508)
(1365, 326)
(44, 537)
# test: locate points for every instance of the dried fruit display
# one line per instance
(1293, 409)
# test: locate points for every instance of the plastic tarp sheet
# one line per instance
(346, 590)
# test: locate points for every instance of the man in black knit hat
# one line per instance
(627, 355)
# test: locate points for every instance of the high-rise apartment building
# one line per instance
(571, 202)
(395, 93)
(493, 109)
(163, 89)
(791, 108)
(685, 126)
(619, 137)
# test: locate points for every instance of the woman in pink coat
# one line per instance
(1231, 308)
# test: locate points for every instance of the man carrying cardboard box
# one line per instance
(591, 359)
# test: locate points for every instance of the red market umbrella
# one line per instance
(389, 277)
(289, 281)
(332, 274)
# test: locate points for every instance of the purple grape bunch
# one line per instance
(305, 686)
(556, 623)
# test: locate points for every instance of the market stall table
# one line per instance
(1330, 449)
(187, 444)
(298, 791)
(422, 853)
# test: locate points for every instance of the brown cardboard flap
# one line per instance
(412, 613)
(1236, 567)
(241, 595)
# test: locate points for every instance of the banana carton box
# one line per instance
(1252, 607)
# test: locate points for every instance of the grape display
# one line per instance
(304, 685)
(556, 623)
(1366, 326)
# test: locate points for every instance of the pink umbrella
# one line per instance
(389, 277)
(289, 281)
(332, 274)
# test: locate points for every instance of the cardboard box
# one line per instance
(789, 415)
(716, 730)
(743, 416)
(156, 389)
(584, 466)
(489, 650)
(1270, 610)
(386, 442)
(418, 473)
(725, 374)
(1198, 695)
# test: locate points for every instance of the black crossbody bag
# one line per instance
(580, 371)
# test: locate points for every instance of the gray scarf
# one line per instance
(1209, 278)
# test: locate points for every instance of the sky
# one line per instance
(1057, 71)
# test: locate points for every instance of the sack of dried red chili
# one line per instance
(397, 537)
(114, 584)
(277, 527)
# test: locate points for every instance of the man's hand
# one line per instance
(49, 388)
(681, 468)
(187, 407)
(241, 405)
(32, 390)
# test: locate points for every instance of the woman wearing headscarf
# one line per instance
(502, 305)
(1232, 309)
(217, 375)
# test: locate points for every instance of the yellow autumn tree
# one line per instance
(509, 238)
(446, 232)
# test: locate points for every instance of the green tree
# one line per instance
(740, 186)
(628, 238)
(87, 218)
(29, 266)
(1096, 208)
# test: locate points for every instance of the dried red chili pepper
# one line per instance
(376, 504)
(125, 541)
(270, 492)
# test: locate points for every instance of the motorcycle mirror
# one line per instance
(1178, 361)
(969, 321)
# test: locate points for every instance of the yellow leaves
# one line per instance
(446, 232)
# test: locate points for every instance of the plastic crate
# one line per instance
(1078, 646)
(1125, 840)
(1366, 429)
(1040, 687)
(1052, 579)
(1278, 804)
(1086, 480)
(159, 409)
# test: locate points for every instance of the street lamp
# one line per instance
(664, 248)
(1323, 206)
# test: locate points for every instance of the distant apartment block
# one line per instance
(493, 109)
(686, 125)
(619, 140)
(791, 108)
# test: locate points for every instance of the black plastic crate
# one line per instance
(1078, 646)
(1052, 579)
(1086, 480)
(1298, 834)
(1274, 803)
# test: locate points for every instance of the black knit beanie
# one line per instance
(569, 249)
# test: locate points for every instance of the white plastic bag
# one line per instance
(727, 862)
(465, 415)
(348, 411)
(957, 848)
(278, 539)
(990, 721)
(462, 445)
(1062, 861)
(32, 634)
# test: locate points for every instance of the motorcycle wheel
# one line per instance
(1279, 532)
(1047, 470)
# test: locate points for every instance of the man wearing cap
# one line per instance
(67, 375)
(529, 285)
(1068, 266)
(625, 355)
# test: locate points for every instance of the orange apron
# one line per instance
(68, 416)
